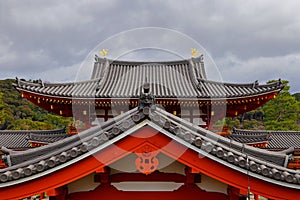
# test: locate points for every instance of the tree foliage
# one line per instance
(17, 113)
(282, 113)
(297, 96)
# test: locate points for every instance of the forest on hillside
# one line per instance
(16, 113)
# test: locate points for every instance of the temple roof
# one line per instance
(122, 79)
(262, 164)
(277, 140)
(249, 139)
(47, 138)
(18, 139)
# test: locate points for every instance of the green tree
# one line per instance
(27, 124)
(297, 96)
(2, 114)
(282, 113)
(232, 122)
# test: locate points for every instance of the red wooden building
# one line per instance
(150, 143)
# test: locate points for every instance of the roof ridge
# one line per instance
(47, 135)
(49, 84)
(247, 136)
(267, 131)
(127, 62)
(31, 131)
(240, 84)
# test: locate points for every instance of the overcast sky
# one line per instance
(248, 40)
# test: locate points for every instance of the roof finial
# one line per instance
(18, 81)
(96, 58)
(279, 81)
(146, 98)
(103, 52)
(255, 84)
(41, 82)
(194, 52)
(146, 87)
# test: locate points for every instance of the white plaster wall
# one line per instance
(84, 184)
(126, 164)
(147, 186)
(211, 185)
(207, 183)
(166, 164)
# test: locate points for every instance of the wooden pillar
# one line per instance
(2, 163)
(255, 196)
(105, 114)
(192, 114)
(208, 122)
(190, 177)
(42, 195)
(204, 115)
(58, 193)
(102, 176)
(233, 193)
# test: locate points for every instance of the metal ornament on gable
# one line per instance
(146, 161)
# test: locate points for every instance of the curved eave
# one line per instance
(250, 140)
(47, 138)
(63, 105)
(224, 92)
(34, 143)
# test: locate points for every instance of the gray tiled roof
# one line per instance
(249, 139)
(47, 138)
(17, 139)
(14, 139)
(121, 79)
(277, 139)
(260, 162)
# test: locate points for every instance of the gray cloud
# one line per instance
(248, 39)
(261, 68)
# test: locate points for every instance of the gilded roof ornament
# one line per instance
(194, 52)
(103, 52)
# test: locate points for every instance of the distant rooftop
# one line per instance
(19, 139)
(276, 139)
